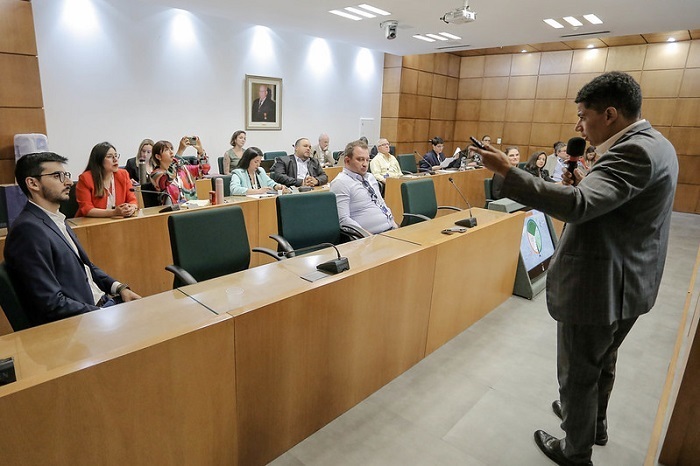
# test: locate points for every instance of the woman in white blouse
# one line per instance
(250, 178)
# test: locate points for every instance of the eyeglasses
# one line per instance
(113, 157)
(60, 176)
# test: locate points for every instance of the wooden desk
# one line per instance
(470, 182)
(332, 172)
(132, 384)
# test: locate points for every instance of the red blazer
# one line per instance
(85, 192)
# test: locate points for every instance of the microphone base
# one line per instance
(467, 222)
(335, 266)
(170, 208)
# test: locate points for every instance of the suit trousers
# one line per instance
(586, 357)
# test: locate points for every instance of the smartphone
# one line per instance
(477, 143)
(193, 140)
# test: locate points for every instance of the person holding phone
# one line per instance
(103, 189)
(172, 174)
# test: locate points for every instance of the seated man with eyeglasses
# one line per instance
(360, 204)
(49, 269)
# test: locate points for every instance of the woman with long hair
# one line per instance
(535, 165)
(233, 156)
(172, 174)
(104, 189)
(142, 155)
(250, 178)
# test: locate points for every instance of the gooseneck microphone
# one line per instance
(467, 222)
(428, 170)
(574, 149)
(164, 198)
(337, 265)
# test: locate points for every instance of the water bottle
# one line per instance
(462, 164)
(219, 188)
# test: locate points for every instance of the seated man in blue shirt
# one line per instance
(360, 204)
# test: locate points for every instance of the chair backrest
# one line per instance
(220, 162)
(407, 162)
(392, 150)
(29, 143)
(267, 165)
(308, 219)
(487, 191)
(227, 184)
(70, 207)
(218, 249)
(149, 199)
(274, 154)
(418, 197)
(336, 155)
(522, 165)
(10, 303)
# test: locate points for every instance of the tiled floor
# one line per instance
(479, 398)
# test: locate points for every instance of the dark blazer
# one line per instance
(133, 168)
(266, 112)
(542, 173)
(284, 171)
(47, 274)
(616, 237)
(431, 159)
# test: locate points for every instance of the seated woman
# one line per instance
(589, 158)
(513, 154)
(170, 172)
(143, 155)
(234, 154)
(103, 189)
(250, 178)
(536, 166)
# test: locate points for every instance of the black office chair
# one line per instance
(220, 162)
(224, 239)
(487, 192)
(336, 156)
(70, 207)
(150, 199)
(408, 164)
(419, 202)
(306, 220)
(267, 165)
(522, 165)
(227, 184)
(10, 302)
(274, 154)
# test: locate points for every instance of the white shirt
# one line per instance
(604, 147)
(302, 168)
(356, 206)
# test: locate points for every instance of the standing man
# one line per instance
(625, 203)
(322, 152)
(50, 271)
(264, 108)
(360, 204)
(384, 165)
(299, 169)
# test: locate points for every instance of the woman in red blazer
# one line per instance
(103, 188)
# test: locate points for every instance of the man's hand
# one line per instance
(493, 159)
(128, 295)
(310, 181)
(568, 180)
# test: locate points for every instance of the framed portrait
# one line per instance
(263, 97)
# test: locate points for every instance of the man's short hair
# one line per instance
(296, 144)
(613, 89)
(350, 147)
(379, 141)
(30, 165)
(558, 146)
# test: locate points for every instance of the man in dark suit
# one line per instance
(264, 107)
(610, 259)
(299, 169)
(50, 271)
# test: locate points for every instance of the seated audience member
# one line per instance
(558, 171)
(170, 172)
(143, 155)
(234, 154)
(250, 178)
(513, 154)
(473, 158)
(385, 165)
(357, 193)
(103, 188)
(322, 152)
(299, 169)
(552, 158)
(589, 158)
(433, 159)
(486, 140)
(51, 273)
(536, 165)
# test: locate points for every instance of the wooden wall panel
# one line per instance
(452, 87)
(468, 110)
(687, 113)
(440, 87)
(17, 28)
(7, 171)
(589, 61)
(454, 63)
(409, 81)
(390, 105)
(519, 110)
(470, 88)
(663, 83)
(525, 64)
(556, 62)
(421, 130)
(472, 67)
(15, 121)
(660, 111)
(626, 58)
(552, 86)
(495, 88)
(693, 55)
(497, 65)
(688, 167)
(685, 140)
(493, 110)
(522, 87)
(548, 111)
(392, 80)
(21, 86)
(690, 86)
(666, 56)
(425, 83)
(516, 133)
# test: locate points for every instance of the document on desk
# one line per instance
(260, 196)
(193, 204)
(446, 163)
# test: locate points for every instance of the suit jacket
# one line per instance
(47, 274)
(85, 192)
(266, 112)
(609, 261)
(322, 158)
(284, 171)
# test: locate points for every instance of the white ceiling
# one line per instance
(499, 22)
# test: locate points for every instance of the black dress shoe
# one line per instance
(551, 446)
(601, 438)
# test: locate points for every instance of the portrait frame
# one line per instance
(268, 115)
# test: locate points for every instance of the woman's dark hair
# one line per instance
(158, 149)
(235, 136)
(94, 166)
(590, 150)
(532, 161)
(248, 155)
(436, 140)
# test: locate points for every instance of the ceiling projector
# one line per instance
(460, 15)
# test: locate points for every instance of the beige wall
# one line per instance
(527, 100)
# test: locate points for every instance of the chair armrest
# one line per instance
(353, 233)
(449, 207)
(406, 172)
(269, 252)
(181, 274)
(416, 216)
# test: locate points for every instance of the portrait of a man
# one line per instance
(263, 102)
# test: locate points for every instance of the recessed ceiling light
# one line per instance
(573, 21)
(345, 15)
(435, 36)
(555, 24)
(593, 19)
(374, 9)
(357, 11)
(590, 46)
(450, 36)
(427, 39)
(523, 51)
(671, 39)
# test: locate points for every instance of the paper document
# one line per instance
(445, 163)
